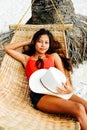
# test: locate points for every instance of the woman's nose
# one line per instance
(43, 43)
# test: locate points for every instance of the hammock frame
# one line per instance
(16, 111)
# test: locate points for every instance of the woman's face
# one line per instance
(42, 44)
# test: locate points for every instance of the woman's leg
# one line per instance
(79, 100)
(54, 104)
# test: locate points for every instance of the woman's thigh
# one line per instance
(53, 104)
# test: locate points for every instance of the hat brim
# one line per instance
(36, 86)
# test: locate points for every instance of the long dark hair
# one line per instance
(55, 46)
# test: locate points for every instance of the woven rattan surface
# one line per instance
(16, 111)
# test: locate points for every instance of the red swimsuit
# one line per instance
(30, 68)
(31, 65)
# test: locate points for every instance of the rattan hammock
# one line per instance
(16, 111)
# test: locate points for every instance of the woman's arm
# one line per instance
(11, 50)
(16, 45)
(58, 62)
(59, 65)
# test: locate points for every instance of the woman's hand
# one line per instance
(67, 88)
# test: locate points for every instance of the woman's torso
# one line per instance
(31, 64)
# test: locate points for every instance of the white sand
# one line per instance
(79, 78)
(11, 11)
(80, 7)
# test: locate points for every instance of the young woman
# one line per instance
(42, 52)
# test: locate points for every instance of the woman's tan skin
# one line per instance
(75, 106)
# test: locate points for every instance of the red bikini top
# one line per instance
(31, 65)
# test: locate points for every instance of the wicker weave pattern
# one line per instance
(16, 111)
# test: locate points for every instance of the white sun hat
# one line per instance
(46, 81)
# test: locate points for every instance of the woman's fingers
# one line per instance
(65, 85)
(60, 91)
(67, 90)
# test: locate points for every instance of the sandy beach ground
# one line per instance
(79, 79)
(11, 12)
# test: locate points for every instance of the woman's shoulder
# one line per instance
(29, 59)
(54, 54)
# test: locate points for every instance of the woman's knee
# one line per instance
(80, 110)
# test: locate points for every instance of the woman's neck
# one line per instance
(42, 56)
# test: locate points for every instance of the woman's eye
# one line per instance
(39, 41)
(46, 42)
